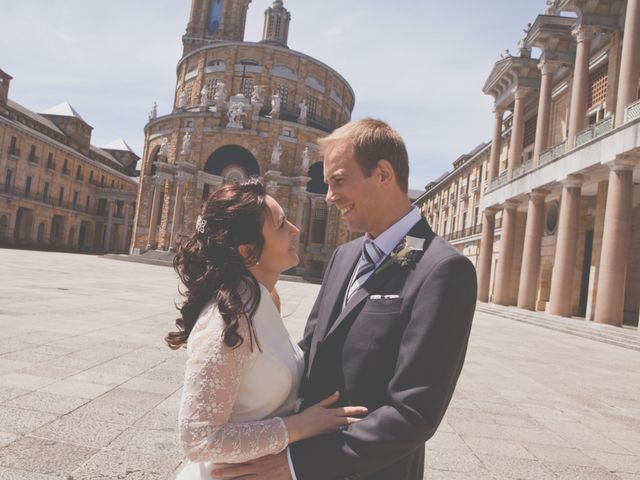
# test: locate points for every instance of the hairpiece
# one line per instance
(201, 225)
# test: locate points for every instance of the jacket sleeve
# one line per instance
(428, 364)
(212, 379)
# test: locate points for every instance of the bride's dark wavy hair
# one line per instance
(210, 265)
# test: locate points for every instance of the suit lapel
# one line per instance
(420, 230)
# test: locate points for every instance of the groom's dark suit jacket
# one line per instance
(399, 357)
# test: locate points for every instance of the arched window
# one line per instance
(316, 184)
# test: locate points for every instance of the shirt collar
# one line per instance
(392, 236)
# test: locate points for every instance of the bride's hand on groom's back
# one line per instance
(321, 418)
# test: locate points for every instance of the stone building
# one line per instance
(549, 210)
(58, 191)
(242, 109)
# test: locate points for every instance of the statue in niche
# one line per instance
(186, 144)
(257, 95)
(303, 111)
(236, 112)
(306, 158)
(153, 114)
(275, 156)
(275, 104)
(164, 148)
(184, 99)
(220, 95)
(204, 97)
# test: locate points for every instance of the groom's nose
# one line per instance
(330, 198)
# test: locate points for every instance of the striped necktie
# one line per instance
(371, 255)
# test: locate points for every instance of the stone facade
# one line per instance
(58, 191)
(242, 109)
(570, 138)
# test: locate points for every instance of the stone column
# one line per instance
(155, 208)
(109, 227)
(123, 239)
(517, 131)
(564, 264)
(544, 109)
(630, 61)
(615, 243)
(496, 145)
(486, 253)
(531, 252)
(580, 89)
(176, 223)
(505, 257)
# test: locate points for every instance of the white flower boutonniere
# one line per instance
(406, 254)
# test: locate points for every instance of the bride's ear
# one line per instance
(247, 252)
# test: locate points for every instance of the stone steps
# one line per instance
(626, 337)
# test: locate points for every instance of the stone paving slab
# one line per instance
(89, 391)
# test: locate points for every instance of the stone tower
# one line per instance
(215, 21)
(276, 24)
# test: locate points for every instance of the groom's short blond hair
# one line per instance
(373, 140)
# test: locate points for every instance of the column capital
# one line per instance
(538, 194)
(490, 212)
(548, 67)
(499, 111)
(574, 181)
(583, 33)
(511, 204)
(519, 93)
(623, 163)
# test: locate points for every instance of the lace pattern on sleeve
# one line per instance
(212, 380)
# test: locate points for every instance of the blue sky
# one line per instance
(420, 65)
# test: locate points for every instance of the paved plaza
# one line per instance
(89, 391)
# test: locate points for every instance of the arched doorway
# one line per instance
(233, 163)
(41, 229)
(316, 184)
(4, 227)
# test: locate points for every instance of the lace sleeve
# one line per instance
(211, 383)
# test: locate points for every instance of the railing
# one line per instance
(521, 169)
(603, 126)
(546, 156)
(464, 233)
(560, 149)
(584, 136)
(499, 180)
(39, 198)
(632, 112)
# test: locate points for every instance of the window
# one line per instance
(211, 88)
(50, 163)
(246, 86)
(112, 183)
(75, 200)
(312, 105)
(598, 81)
(27, 187)
(65, 167)
(476, 214)
(79, 173)
(318, 225)
(102, 181)
(333, 117)
(7, 180)
(13, 150)
(91, 176)
(32, 154)
(283, 91)
(61, 196)
(88, 204)
(45, 193)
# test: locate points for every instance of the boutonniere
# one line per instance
(406, 254)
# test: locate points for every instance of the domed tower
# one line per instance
(276, 24)
(242, 109)
(215, 21)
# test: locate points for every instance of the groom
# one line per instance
(390, 326)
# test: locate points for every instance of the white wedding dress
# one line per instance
(232, 399)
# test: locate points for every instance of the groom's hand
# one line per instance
(271, 467)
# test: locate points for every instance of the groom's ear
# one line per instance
(385, 172)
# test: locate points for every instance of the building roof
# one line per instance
(107, 155)
(5, 74)
(63, 110)
(120, 145)
(33, 116)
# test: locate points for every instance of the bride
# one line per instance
(243, 369)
